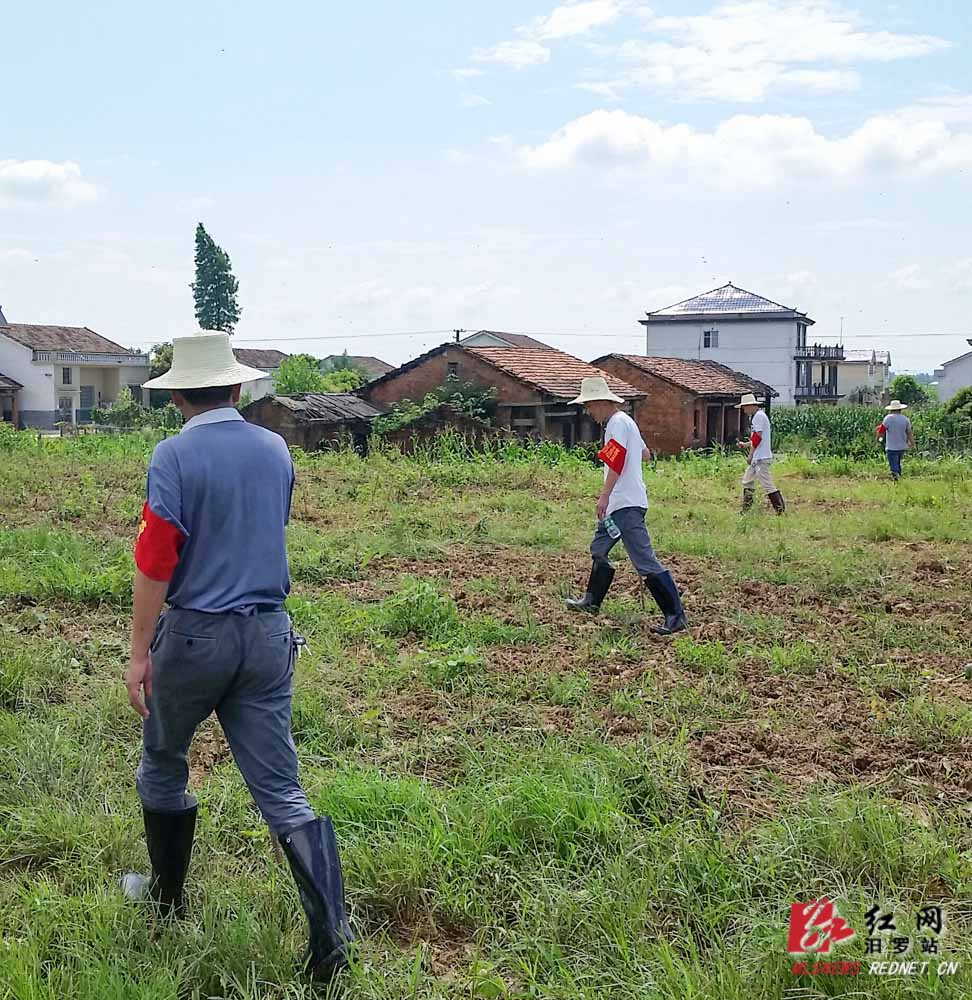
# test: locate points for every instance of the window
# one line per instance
(695, 423)
(87, 400)
(452, 369)
(65, 376)
(801, 334)
(710, 338)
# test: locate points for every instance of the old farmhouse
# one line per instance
(533, 387)
(692, 404)
(315, 420)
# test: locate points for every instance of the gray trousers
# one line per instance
(634, 537)
(241, 667)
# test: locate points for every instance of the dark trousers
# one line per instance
(634, 537)
(241, 667)
(894, 462)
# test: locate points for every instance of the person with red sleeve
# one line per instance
(211, 546)
(760, 455)
(898, 435)
(623, 501)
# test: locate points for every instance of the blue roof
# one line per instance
(727, 299)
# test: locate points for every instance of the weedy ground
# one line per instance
(530, 804)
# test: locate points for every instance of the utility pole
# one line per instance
(457, 332)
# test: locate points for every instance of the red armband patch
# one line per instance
(882, 429)
(756, 438)
(157, 546)
(613, 456)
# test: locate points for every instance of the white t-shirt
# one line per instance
(623, 447)
(760, 425)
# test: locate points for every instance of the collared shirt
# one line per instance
(896, 427)
(622, 451)
(214, 522)
(760, 424)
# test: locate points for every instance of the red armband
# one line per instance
(157, 546)
(756, 438)
(613, 455)
(882, 430)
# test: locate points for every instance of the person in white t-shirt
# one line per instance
(760, 449)
(623, 500)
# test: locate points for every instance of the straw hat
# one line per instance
(203, 360)
(896, 404)
(595, 388)
(748, 400)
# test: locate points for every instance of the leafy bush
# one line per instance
(909, 390)
(464, 397)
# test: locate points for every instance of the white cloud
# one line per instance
(572, 19)
(466, 73)
(800, 280)
(606, 90)
(475, 101)
(909, 278)
(35, 183)
(960, 275)
(743, 51)
(518, 53)
(17, 253)
(753, 150)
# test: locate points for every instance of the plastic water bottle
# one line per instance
(611, 528)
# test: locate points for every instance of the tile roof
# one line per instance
(554, 372)
(41, 337)
(879, 357)
(372, 367)
(512, 339)
(258, 357)
(335, 407)
(727, 299)
(704, 378)
(8, 383)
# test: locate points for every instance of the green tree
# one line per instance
(298, 373)
(908, 389)
(342, 380)
(160, 359)
(215, 286)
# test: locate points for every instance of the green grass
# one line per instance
(530, 803)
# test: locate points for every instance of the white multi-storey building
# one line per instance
(750, 334)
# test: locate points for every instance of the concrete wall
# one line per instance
(763, 349)
(955, 375)
(258, 388)
(853, 375)
(37, 380)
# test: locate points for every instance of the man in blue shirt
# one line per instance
(898, 435)
(211, 545)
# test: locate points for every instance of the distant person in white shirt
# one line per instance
(898, 436)
(623, 500)
(760, 451)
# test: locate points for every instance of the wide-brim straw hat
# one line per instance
(203, 360)
(594, 388)
(748, 400)
(896, 404)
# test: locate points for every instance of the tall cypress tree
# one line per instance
(215, 286)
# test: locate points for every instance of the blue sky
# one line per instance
(383, 168)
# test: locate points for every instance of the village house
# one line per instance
(267, 361)
(370, 367)
(533, 387)
(61, 373)
(750, 333)
(492, 338)
(954, 375)
(691, 404)
(315, 420)
(863, 376)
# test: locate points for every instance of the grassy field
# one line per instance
(531, 804)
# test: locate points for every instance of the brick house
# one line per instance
(315, 420)
(533, 387)
(691, 404)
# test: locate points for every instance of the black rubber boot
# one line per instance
(602, 573)
(662, 588)
(747, 501)
(776, 499)
(312, 852)
(169, 838)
